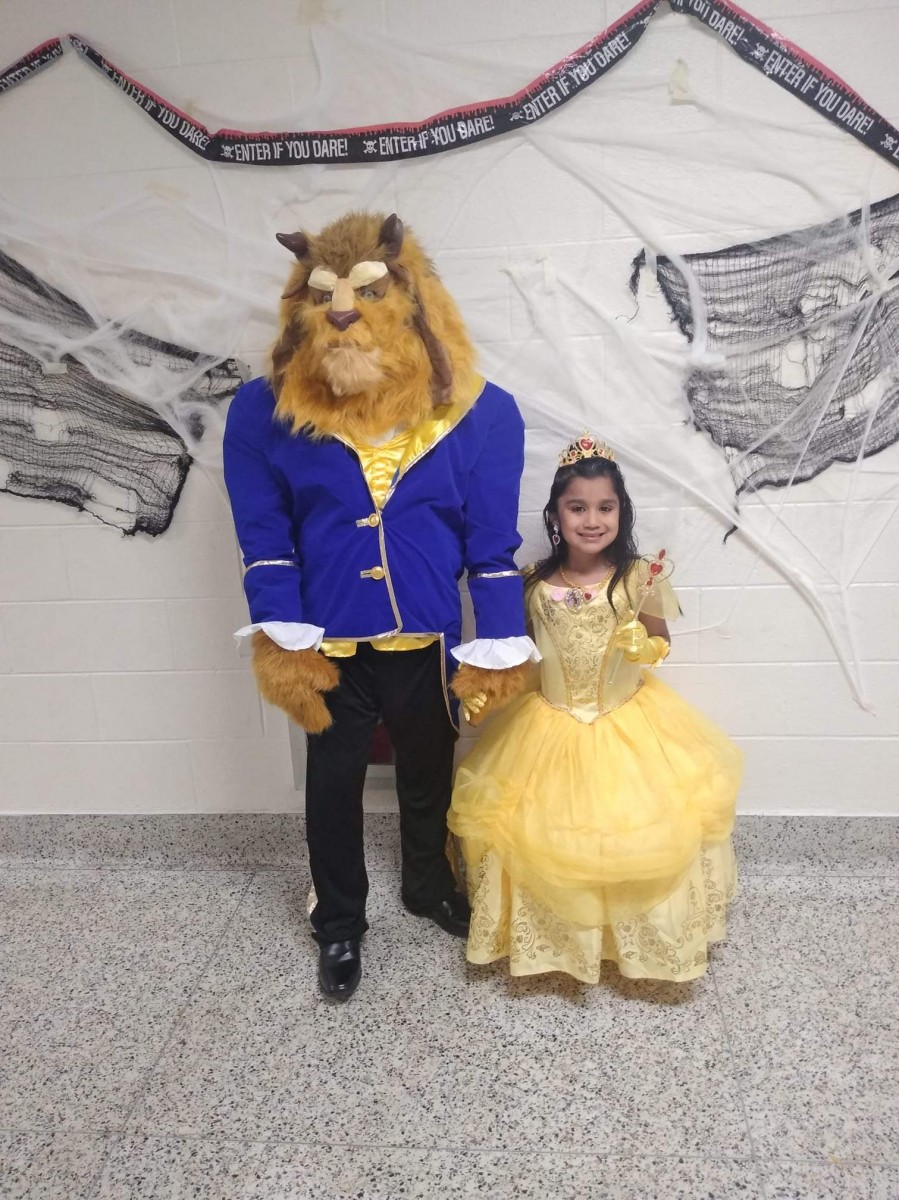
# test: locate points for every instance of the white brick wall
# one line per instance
(120, 689)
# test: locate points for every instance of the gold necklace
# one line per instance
(577, 593)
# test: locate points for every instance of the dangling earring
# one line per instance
(555, 539)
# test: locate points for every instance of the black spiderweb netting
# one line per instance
(805, 326)
(67, 435)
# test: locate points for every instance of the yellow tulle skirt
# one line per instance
(611, 840)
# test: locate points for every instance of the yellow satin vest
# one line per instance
(381, 465)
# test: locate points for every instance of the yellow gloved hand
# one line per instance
(637, 646)
(482, 690)
(473, 707)
(631, 637)
(655, 651)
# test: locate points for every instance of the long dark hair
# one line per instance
(622, 552)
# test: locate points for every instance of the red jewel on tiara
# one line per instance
(583, 447)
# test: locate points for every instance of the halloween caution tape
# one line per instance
(448, 130)
(797, 72)
(23, 68)
(778, 59)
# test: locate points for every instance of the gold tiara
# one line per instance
(586, 446)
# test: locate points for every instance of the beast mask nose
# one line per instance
(343, 320)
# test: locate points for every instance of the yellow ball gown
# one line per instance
(595, 812)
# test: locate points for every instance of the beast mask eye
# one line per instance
(370, 280)
(322, 282)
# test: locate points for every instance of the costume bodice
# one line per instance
(582, 672)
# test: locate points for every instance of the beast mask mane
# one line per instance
(369, 338)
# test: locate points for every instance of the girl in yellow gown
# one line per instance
(595, 812)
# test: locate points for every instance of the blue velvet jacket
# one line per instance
(318, 550)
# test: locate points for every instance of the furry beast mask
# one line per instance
(369, 337)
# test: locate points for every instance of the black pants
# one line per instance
(405, 689)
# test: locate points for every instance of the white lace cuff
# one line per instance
(496, 653)
(290, 635)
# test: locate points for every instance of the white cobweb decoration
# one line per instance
(535, 234)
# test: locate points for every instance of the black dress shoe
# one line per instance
(339, 969)
(451, 914)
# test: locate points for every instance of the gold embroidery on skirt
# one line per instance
(535, 936)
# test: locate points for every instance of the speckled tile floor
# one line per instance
(162, 1037)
